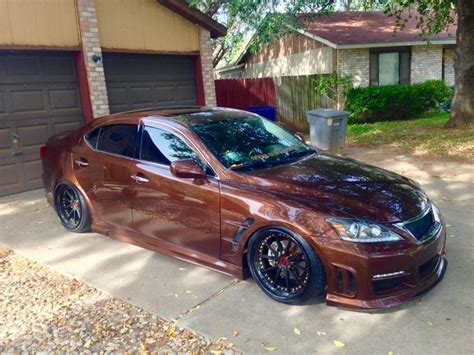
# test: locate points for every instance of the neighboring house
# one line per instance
(364, 45)
(64, 63)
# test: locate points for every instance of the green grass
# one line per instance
(426, 136)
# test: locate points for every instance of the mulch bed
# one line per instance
(41, 310)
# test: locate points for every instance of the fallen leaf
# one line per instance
(270, 348)
(189, 291)
(182, 268)
(194, 308)
(174, 320)
(87, 344)
(296, 331)
(390, 353)
(216, 352)
(235, 333)
(170, 331)
(321, 334)
(339, 344)
(430, 323)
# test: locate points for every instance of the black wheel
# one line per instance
(71, 208)
(285, 266)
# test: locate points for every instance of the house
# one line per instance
(364, 45)
(64, 63)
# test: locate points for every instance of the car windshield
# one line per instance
(250, 142)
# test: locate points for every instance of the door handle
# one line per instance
(82, 163)
(140, 178)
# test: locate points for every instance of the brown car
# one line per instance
(234, 192)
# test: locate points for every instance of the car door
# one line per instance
(180, 211)
(103, 171)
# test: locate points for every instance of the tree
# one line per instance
(265, 19)
(434, 16)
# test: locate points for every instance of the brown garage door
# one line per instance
(39, 97)
(137, 81)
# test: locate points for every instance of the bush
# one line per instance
(395, 102)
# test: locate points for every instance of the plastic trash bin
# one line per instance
(327, 128)
(269, 112)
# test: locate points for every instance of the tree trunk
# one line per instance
(462, 110)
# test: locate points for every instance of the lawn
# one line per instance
(424, 136)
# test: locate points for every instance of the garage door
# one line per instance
(137, 81)
(39, 97)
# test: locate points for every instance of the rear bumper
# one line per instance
(379, 279)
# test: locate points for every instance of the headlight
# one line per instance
(360, 231)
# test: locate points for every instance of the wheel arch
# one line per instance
(283, 228)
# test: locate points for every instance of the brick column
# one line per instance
(207, 68)
(91, 46)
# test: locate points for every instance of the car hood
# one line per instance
(345, 187)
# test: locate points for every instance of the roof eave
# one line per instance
(376, 45)
(182, 8)
(396, 44)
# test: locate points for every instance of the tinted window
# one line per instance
(162, 147)
(250, 142)
(118, 139)
(92, 137)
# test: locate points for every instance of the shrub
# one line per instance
(395, 102)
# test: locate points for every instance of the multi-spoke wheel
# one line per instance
(71, 208)
(285, 266)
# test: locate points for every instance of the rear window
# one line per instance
(119, 139)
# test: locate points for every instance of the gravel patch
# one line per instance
(41, 310)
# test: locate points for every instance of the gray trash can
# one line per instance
(327, 128)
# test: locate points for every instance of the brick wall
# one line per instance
(90, 46)
(207, 68)
(354, 62)
(426, 63)
(448, 57)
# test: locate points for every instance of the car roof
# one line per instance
(187, 115)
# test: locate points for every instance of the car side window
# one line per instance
(92, 137)
(118, 139)
(162, 147)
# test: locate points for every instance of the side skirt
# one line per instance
(172, 250)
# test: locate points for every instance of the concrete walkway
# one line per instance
(439, 323)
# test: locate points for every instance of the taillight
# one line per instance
(42, 151)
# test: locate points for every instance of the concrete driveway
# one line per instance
(439, 323)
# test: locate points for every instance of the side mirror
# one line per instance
(187, 169)
(299, 136)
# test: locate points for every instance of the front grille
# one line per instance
(386, 285)
(420, 227)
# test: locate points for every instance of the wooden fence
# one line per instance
(242, 93)
(293, 96)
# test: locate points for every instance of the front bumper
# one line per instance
(375, 277)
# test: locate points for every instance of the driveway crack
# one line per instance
(211, 297)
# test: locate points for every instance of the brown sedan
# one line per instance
(234, 192)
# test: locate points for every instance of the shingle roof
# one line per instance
(364, 27)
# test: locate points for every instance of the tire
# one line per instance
(71, 208)
(285, 266)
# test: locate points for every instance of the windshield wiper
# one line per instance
(255, 165)
(297, 154)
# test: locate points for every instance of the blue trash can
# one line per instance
(269, 112)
